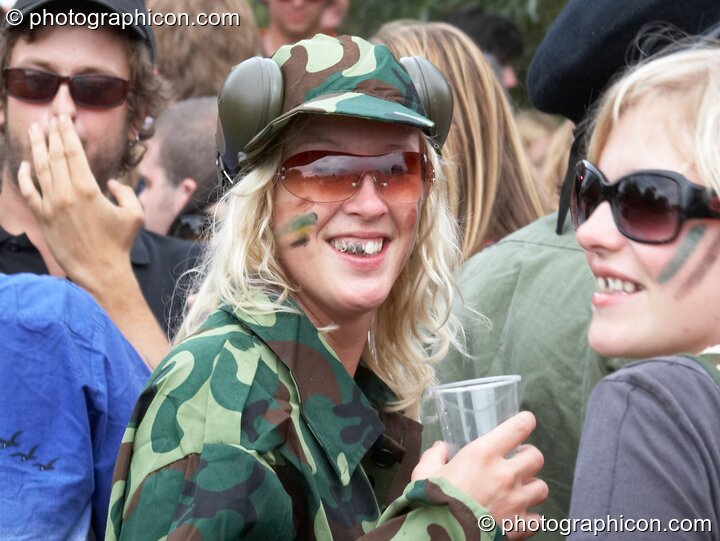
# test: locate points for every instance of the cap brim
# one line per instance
(353, 104)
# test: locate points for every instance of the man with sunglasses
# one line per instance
(534, 286)
(74, 108)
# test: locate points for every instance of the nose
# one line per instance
(599, 232)
(63, 103)
(367, 201)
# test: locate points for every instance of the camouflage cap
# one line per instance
(343, 76)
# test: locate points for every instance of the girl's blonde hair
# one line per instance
(413, 328)
(490, 184)
(690, 76)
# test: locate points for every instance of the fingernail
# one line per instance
(35, 128)
(63, 119)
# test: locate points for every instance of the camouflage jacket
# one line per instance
(253, 429)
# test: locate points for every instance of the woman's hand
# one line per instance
(504, 486)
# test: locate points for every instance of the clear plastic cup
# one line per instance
(468, 409)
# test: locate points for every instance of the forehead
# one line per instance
(73, 49)
(354, 135)
(652, 134)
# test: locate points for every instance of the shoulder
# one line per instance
(534, 276)
(221, 367)
(674, 373)
(536, 246)
(35, 301)
(210, 390)
(44, 314)
(676, 392)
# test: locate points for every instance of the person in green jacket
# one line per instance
(288, 408)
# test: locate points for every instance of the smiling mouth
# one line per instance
(357, 246)
(607, 284)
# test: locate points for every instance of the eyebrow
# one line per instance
(42, 64)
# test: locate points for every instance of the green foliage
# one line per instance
(532, 16)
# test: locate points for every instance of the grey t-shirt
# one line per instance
(650, 449)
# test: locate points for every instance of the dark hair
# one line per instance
(186, 144)
(147, 95)
(493, 33)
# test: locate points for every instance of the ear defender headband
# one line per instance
(252, 97)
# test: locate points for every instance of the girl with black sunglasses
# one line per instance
(646, 210)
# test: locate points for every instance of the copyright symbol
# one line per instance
(14, 17)
(486, 523)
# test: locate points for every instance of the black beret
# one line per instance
(588, 44)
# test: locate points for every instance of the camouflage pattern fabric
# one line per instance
(252, 429)
(343, 76)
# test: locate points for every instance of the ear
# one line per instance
(184, 192)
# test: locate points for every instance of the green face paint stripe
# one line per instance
(297, 224)
(703, 267)
(301, 226)
(684, 251)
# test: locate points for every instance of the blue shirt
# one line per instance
(68, 383)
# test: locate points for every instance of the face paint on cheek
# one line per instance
(410, 221)
(299, 229)
(684, 251)
(697, 276)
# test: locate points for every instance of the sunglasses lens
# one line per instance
(30, 85)
(98, 91)
(91, 91)
(327, 177)
(647, 207)
(586, 196)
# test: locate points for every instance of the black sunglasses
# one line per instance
(647, 206)
(90, 90)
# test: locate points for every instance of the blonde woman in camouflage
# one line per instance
(288, 407)
(489, 178)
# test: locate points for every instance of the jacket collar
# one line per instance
(332, 403)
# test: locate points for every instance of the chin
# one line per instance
(364, 301)
(607, 343)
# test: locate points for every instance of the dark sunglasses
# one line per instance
(324, 176)
(647, 206)
(90, 91)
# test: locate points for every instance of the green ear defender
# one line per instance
(435, 95)
(252, 96)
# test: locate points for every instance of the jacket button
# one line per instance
(383, 458)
